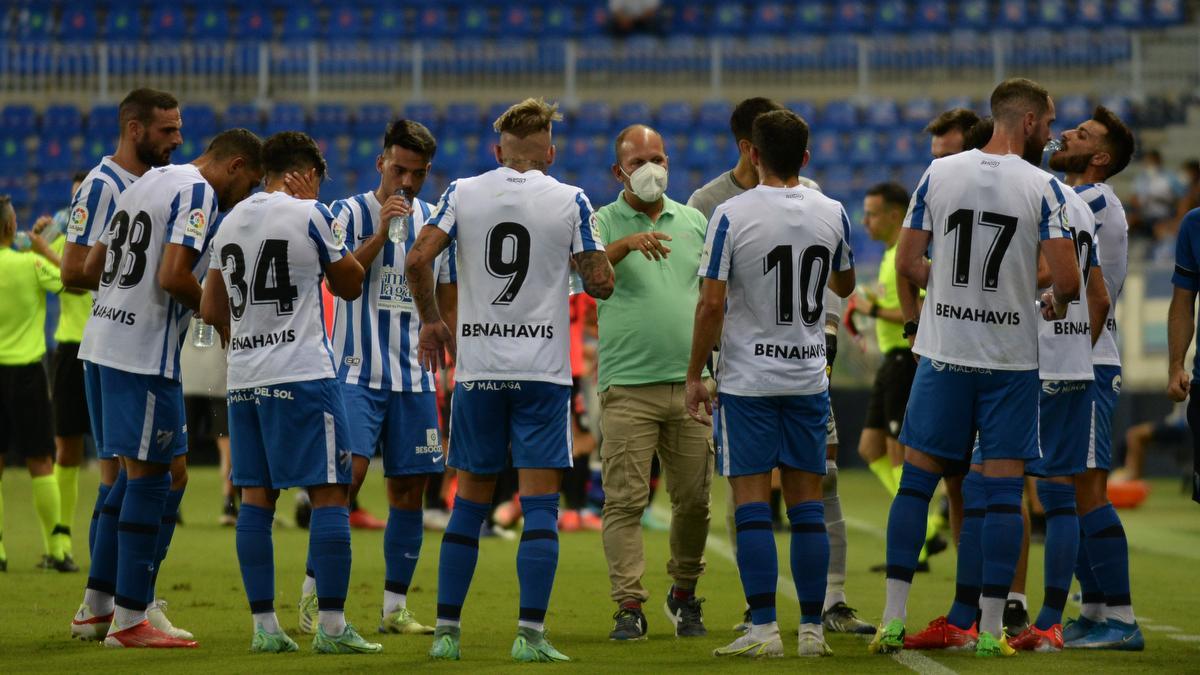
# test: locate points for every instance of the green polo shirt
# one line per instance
(74, 308)
(25, 278)
(646, 324)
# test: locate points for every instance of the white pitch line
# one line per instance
(1162, 629)
(912, 660)
(1185, 638)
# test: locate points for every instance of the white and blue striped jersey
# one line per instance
(988, 215)
(1065, 345)
(135, 325)
(775, 247)
(93, 204)
(516, 232)
(375, 337)
(1112, 232)
(272, 250)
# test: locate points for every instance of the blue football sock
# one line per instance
(460, 550)
(102, 575)
(137, 538)
(329, 551)
(101, 496)
(401, 548)
(757, 560)
(165, 532)
(1062, 544)
(810, 557)
(969, 578)
(1108, 551)
(1089, 588)
(256, 556)
(1003, 529)
(537, 555)
(906, 521)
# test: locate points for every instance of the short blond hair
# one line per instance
(531, 116)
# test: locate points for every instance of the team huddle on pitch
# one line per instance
(1006, 276)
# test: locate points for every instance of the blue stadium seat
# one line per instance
(873, 174)
(210, 23)
(123, 23)
(1129, 13)
(253, 23)
(864, 148)
(900, 148)
(933, 15)
(199, 121)
(243, 115)
(965, 102)
(1052, 13)
(32, 22)
(592, 117)
(167, 23)
(883, 114)
(455, 151)
(703, 150)
(1071, 110)
(633, 112)
(1166, 12)
(78, 24)
(392, 23)
(811, 17)
(825, 148)
(974, 14)
(919, 111)
(1090, 13)
(425, 113)
(713, 116)
(581, 151)
(840, 115)
(330, 120)
(1013, 14)
(675, 117)
(372, 118)
(769, 17)
(475, 21)
(18, 121)
(62, 121)
(363, 151)
(346, 22)
(690, 18)
(286, 117)
(850, 16)
(728, 19)
(516, 20)
(804, 109)
(560, 20)
(335, 159)
(594, 20)
(299, 24)
(838, 182)
(463, 117)
(55, 154)
(102, 122)
(891, 16)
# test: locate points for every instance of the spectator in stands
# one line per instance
(1156, 191)
(1191, 189)
(645, 328)
(947, 131)
(634, 16)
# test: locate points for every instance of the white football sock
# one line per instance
(267, 621)
(991, 619)
(126, 618)
(1122, 613)
(99, 603)
(333, 622)
(539, 626)
(897, 599)
(1019, 597)
(393, 601)
(310, 585)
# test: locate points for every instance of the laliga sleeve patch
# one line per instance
(339, 230)
(594, 228)
(78, 220)
(197, 223)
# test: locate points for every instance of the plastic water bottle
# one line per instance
(398, 225)
(202, 333)
(575, 283)
(1053, 146)
(22, 242)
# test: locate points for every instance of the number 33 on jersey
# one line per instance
(136, 326)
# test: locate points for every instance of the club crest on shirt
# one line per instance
(78, 220)
(197, 222)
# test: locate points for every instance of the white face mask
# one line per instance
(648, 182)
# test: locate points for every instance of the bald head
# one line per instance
(634, 139)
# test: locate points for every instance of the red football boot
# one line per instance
(146, 636)
(940, 634)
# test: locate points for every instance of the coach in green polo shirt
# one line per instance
(654, 244)
(25, 278)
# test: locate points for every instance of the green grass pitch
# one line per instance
(200, 579)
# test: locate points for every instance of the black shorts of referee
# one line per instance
(889, 394)
(26, 420)
(70, 400)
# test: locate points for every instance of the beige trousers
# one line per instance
(636, 422)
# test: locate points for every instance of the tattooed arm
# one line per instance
(435, 337)
(596, 273)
